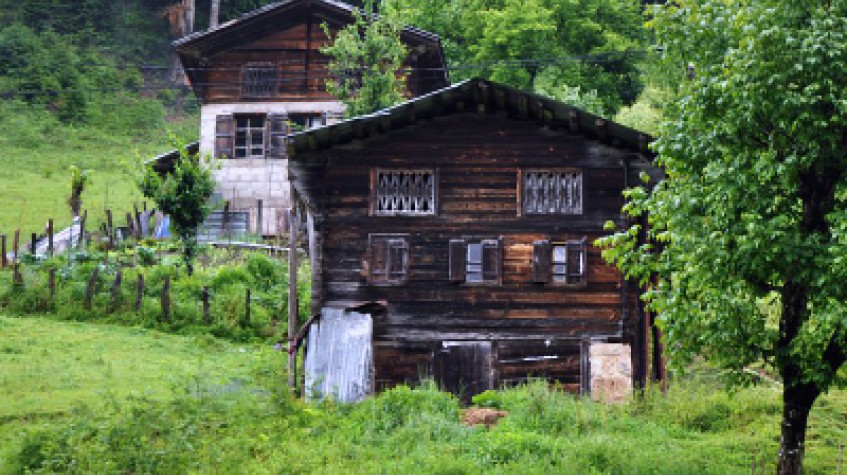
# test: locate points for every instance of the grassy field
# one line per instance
(94, 398)
(34, 179)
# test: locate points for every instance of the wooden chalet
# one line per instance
(461, 223)
(262, 75)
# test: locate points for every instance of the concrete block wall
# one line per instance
(243, 182)
(610, 371)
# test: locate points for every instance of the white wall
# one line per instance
(245, 181)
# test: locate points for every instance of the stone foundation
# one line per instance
(610, 372)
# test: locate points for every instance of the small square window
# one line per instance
(475, 261)
(561, 263)
(249, 136)
(388, 259)
(259, 80)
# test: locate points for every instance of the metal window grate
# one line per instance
(405, 192)
(552, 192)
(259, 81)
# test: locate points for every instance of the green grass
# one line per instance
(93, 398)
(34, 178)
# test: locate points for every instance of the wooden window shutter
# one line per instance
(277, 132)
(541, 261)
(224, 136)
(492, 252)
(378, 259)
(457, 260)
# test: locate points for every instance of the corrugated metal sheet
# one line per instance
(339, 356)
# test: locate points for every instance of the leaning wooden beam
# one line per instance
(292, 295)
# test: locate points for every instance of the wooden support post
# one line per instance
(207, 315)
(137, 221)
(51, 283)
(49, 237)
(17, 277)
(15, 243)
(3, 262)
(292, 297)
(130, 224)
(139, 293)
(116, 290)
(166, 299)
(247, 302)
(33, 243)
(109, 228)
(90, 288)
(225, 223)
(259, 224)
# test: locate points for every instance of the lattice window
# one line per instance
(389, 258)
(259, 81)
(249, 136)
(404, 192)
(552, 192)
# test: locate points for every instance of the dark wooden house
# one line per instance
(260, 76)
(463, 222)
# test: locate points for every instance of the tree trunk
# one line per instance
(797, 403)
(214, 10)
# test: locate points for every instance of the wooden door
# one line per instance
(465, 368)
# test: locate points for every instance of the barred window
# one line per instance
(552, 192)
(404, 192)
(259, 81)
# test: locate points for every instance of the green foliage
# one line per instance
(750, 216)
(79, 179)
(183, 195)
(569, 49)
(366, 59)
(228, 280)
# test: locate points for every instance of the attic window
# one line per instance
(259, 80)
(404, 192)
(552, 191)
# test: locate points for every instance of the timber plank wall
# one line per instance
(536, 328)
(302, 68)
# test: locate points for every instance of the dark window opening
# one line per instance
(259, 81)
(475, 262)
(249, 136)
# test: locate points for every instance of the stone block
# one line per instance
(610, 375)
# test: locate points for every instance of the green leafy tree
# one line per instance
(182, 194)
(366, 59)
(752, 215)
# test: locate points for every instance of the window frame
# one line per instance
(462, 261)
(545, 262)
(375, 196)
(261, 87)
(523, 193)
(384, 277)
(249, 132)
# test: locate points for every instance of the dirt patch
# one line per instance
(475, 416)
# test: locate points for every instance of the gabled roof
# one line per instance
(473, 95)
(259, 22)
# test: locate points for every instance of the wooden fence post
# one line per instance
(116, 290)
(137, 221)
(82, 228)
(109, 228)
(292, 297)
(139, 293)
(89, 290)
(166, 298)
(247, 308)
(3, 262)
(259, 217)
(130, 224)
(225, 224)
(33, 243)
(49, 237)
(17, 277)
(15, 242)
(207, 315)
(51, 283)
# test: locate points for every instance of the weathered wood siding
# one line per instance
(302, 68)
(536, 327)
